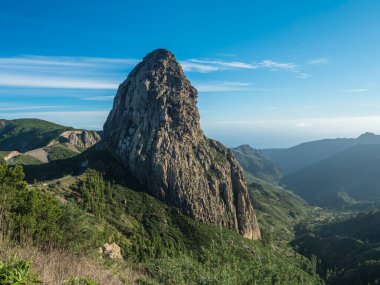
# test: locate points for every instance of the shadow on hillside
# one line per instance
(93, 158)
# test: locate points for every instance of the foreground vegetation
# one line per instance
(78, 215)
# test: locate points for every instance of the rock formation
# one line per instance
(154, 131)
(111, 251)
(80, 139)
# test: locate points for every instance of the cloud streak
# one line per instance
(358, 90)
(91, 73)
(36, 107)
(206, 66)
(224, 86)
(99, 98)
(13, 80)
(287, 66)
(62, 61)
(64, 72)
(319, 61)
(358, 123)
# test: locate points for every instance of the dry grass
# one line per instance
(55, 267)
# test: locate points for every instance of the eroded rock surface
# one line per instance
(154, 130)
(111, 251)
(80, 139)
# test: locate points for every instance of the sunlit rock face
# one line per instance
(154, 131)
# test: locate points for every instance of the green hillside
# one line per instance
(256, 163)
(26, 134)
(355, 171)
(348, 250)
(81, 213)
(277, 209)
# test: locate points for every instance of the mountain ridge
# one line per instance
(302, 155)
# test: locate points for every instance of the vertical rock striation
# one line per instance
(154, 131)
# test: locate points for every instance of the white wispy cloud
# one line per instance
(358, 90)
(319, 61)
(362, 123)
(271, 64)
(197, 67)
(204, 66)
(303, 125)
(74, 61)
(53, 82)
(287, 66)
(36, 107)
(91, 73)
(227, 64)
(99, 98)
(64, 72)
(60, 114)
(223, 86)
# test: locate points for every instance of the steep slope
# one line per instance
(278, 210)
(154, 131)
(295, 158)
(256, 163)
(355, 171)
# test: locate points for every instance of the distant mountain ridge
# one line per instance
(26, 134)
(355, 171)
(256, 163)
(300, 156)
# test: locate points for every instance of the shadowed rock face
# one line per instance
(154, 131)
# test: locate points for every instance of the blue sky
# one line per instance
(269, 73)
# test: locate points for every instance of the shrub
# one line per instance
(81, 281)
(17, 272)
(226, 262)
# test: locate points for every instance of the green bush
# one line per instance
(81, 281)
(226, 262)
(17, 272)
(33, 215)
(58, 152)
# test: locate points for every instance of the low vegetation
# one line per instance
(60, 151)
(80, 214)
(347, 247)
(278, 210)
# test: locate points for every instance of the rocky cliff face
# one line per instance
(80, 139)
(154, 130)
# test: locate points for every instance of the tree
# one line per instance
(94, 192)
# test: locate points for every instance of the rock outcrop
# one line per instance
(80, 139)
(154, 131)
(111, 251)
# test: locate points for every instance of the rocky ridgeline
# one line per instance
(80, 139)
(154, 131)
